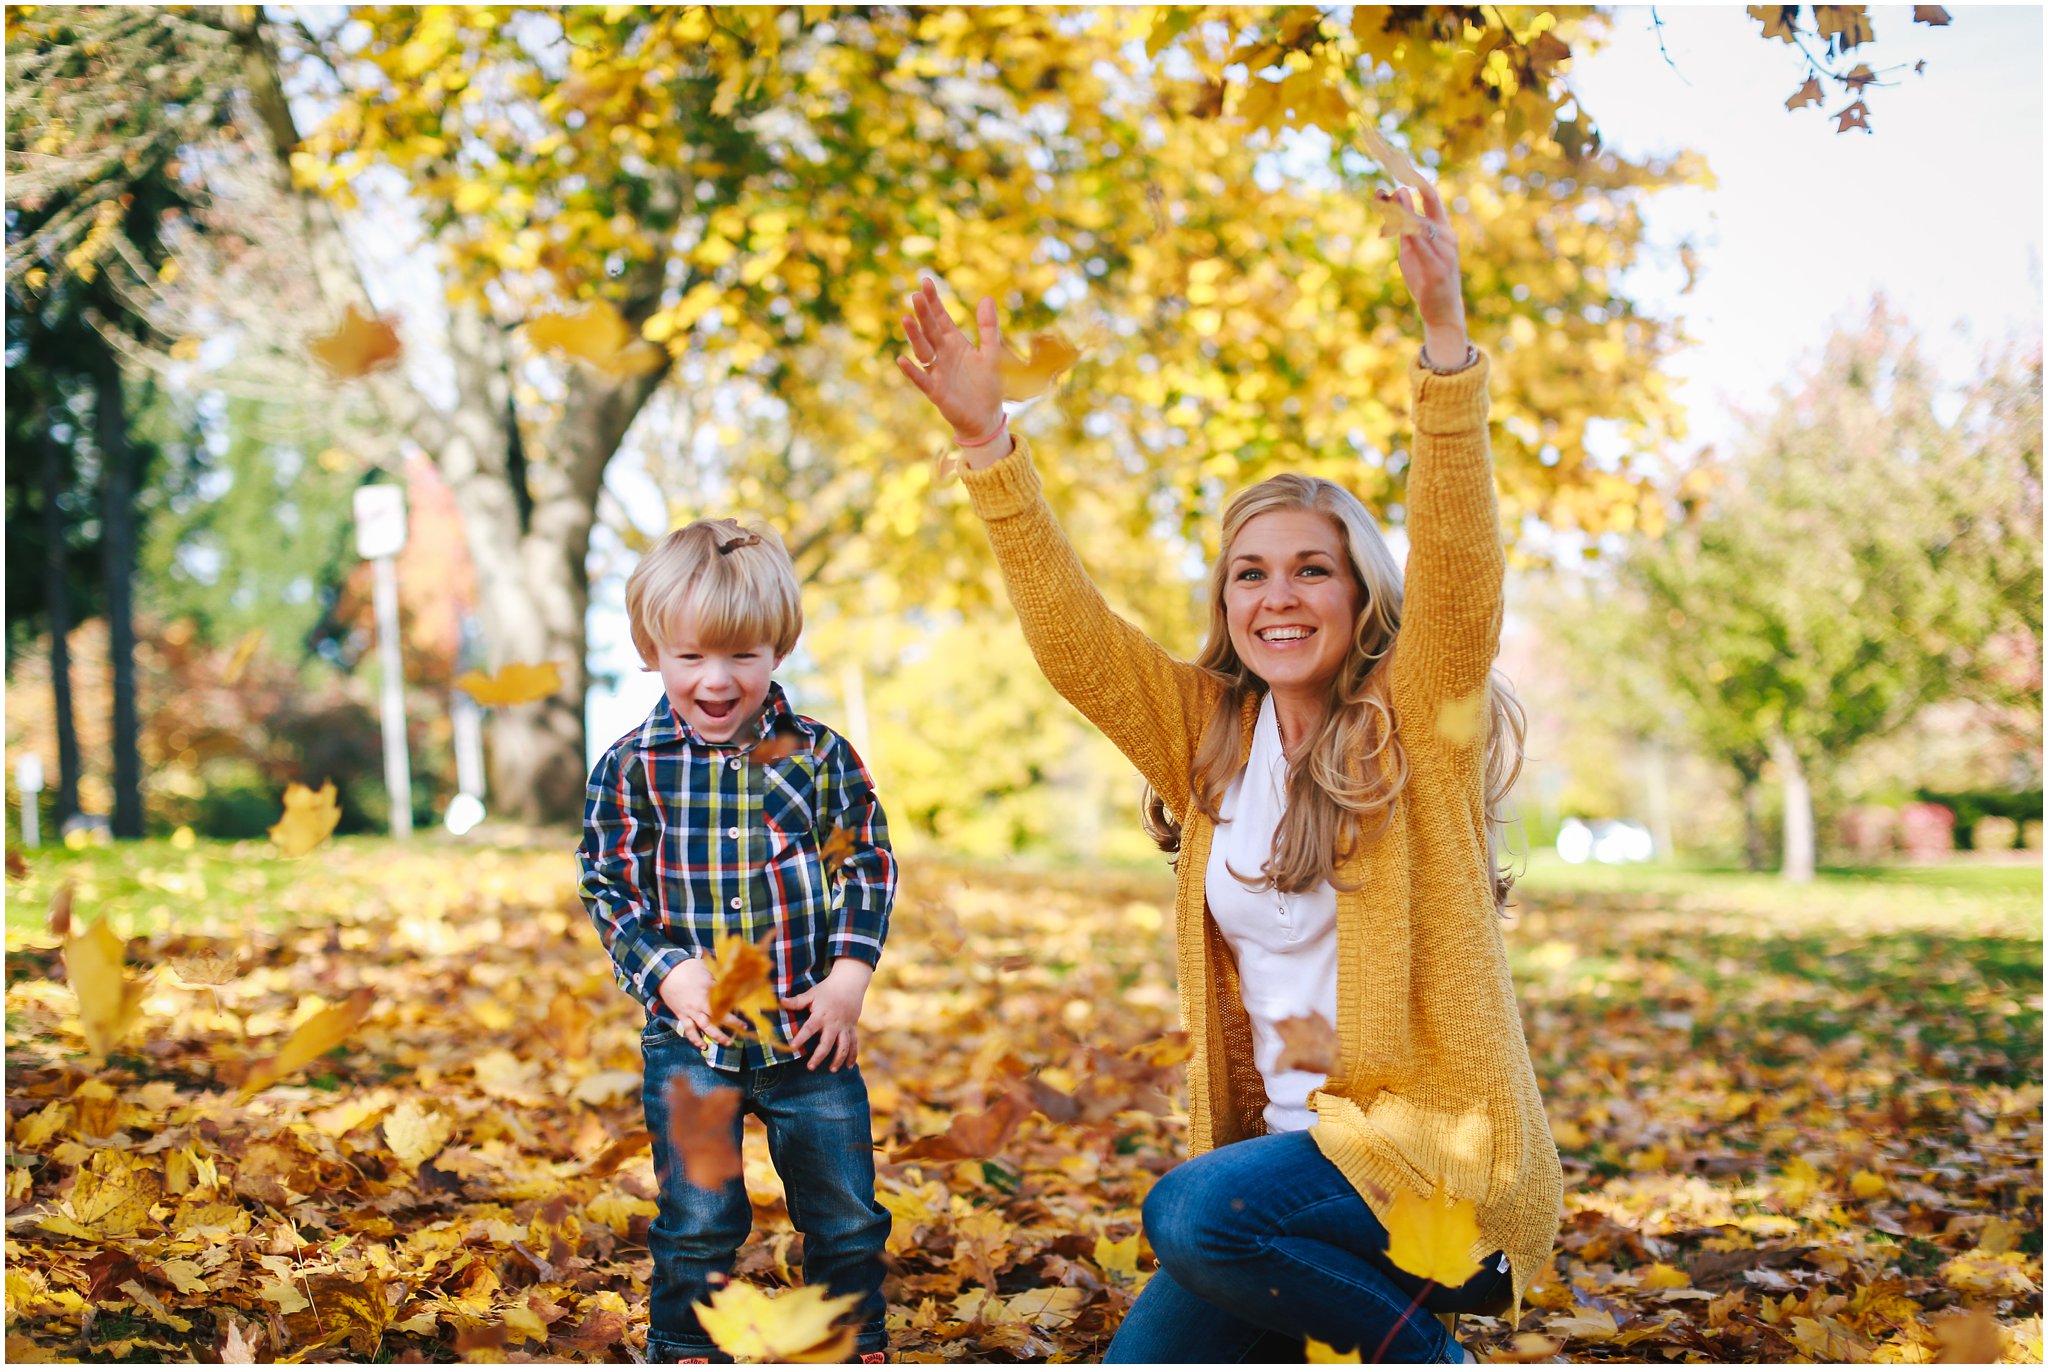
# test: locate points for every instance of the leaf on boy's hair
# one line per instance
(1432, 1238)
(838, 845)
(309, 818)
(797, 1327)
(742, 980)
(1028, 376)
(971, 1135)
(1306, 1043)
(701, 1130)
(512, 686)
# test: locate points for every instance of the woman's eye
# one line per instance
(1250, 575)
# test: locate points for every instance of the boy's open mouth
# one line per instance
(718, 709)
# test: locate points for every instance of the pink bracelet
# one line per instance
(1002, 422)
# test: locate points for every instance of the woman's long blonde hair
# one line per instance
(1342, 781)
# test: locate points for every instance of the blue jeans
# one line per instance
(1264, 1243)
(822, 1143)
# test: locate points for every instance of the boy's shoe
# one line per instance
(874, 1357)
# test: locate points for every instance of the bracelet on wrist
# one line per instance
(1002, 424)
(1471, 360)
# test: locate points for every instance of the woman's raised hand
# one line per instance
(1429, 264)
(964, 382)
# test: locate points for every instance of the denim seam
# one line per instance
(1421, 1316)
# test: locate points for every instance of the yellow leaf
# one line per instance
(1027, 377)
(1117, 1257)
(742, 979)
(309, 818)
(1662, 1275)
(1433, 1238)
(108, 1001)
(416, 1132)
(245, 650)
(1392, 159)
(1397, 218)
(114, 1193)
(151, 1304)
(285, 1294)
(599, 336)
(208, 967)
(1865, 1184)
(1460, 721)
(1319, 1353)
(796, 1328)
(316, 1036)
(1307, 1043)
(358, 345)
(512, 686)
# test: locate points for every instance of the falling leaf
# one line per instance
(1460, 722)
(1855, 116)
(1846, 26)
(701, 1130)
(60, 909)
(208, 967)
(1433, 1238)
(1974, 1337)
(742, 980)
(512, 686)
(17, 864)
(1319, 1353)
(1865, 1184)
(109, 1003)
(1780, 21)
(779, 745)
(1808, 94)
(970, 1136)
(416, 1133)
(1930, 14)
(597, 335)
(1028, 376)
(309, 818)
(795, 1328)
(1396, 218)
(1392, 160)
(245, 651)
(1307, 1043)
(316, 1036)
(1859, 78)
(359, 345)
(834, 850)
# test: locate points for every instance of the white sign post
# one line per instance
(28, 778)
(380, 536)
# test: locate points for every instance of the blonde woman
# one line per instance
(1330, 771)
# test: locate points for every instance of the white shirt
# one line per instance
(1285, 944)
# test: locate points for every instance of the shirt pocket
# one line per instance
(789, 804)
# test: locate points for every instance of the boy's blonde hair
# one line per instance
(732, 585)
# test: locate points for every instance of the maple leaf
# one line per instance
(17, 864)
(1973, 1337)
(358, 345)
(1392, 160)
(1808, 94)
(742, 979)
(1118, 1258)
(834, 850)
(316, 1036)
(796, 1328)
(1397, 218)
(512, 686)
(1780, 21)
(416, 1133)
(1845, 26)
(1031, 375)
(701, 1130)
(1859, 78)
(1930, 14)
(108, 1001)
(112, 1196)
(60, 909)
(598, 336)
(235, 1348)
(1307, 1043)
(1432, 1238)
(1855, 116)
(309, 818)
(207, 967)
(971, 1136)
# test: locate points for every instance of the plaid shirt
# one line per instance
(685, 839)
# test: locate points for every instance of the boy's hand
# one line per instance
(834, 1004)
(687, 991)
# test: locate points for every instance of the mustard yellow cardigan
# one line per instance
(1433, 1084)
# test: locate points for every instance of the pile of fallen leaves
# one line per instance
(408, 1126)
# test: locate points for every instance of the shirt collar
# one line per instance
(664, 728)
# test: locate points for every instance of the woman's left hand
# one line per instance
(1429, 265)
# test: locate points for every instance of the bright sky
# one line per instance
(1940, 207)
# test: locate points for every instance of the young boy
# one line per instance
(708, 820)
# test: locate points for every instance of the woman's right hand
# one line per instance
(964, 382)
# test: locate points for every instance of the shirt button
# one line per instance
(735, 903)
(733, 832)
(735, 765)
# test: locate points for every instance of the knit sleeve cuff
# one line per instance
(1005, 489)
(1449, 404)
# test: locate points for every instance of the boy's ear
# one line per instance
(779, 660)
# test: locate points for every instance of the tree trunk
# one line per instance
(1798, 865)
(1755, 849)
(57, 597)
(117, 544)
